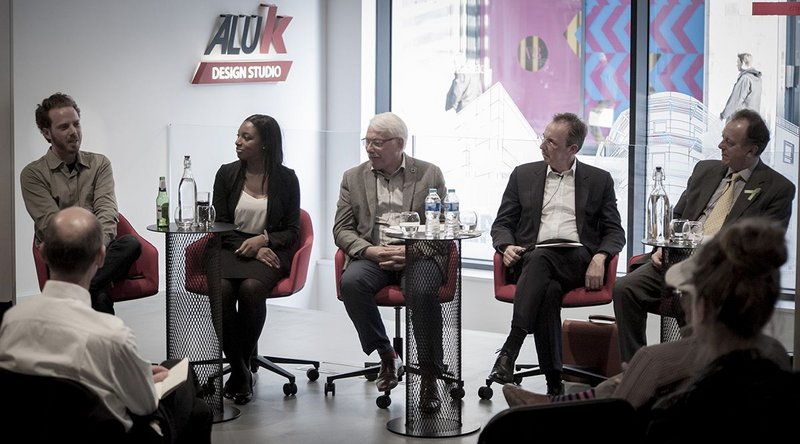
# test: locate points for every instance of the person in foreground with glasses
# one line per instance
(390, 182)
(659, 369)
(738, 394)
(557, 227)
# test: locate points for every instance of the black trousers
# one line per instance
(545, 274)
(121, 253)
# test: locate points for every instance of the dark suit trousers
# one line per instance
(121, 253)
(545, 275)
(636, 294)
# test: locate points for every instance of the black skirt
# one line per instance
(237, 267)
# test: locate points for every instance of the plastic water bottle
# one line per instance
(162, 204)
(451, 226)
(433, 208)
(187, 196)
(659, 213)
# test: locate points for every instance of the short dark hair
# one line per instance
(757, 131)
(72, 254)
(55, 101)
(270, 133)
(577, 129)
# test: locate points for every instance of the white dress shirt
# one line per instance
(558, 207)
(59, 334)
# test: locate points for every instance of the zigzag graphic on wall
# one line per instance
(676, 44)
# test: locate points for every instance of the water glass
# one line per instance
(468, 221)
(678, 230)
(695, 232)
(409, 223)
(205, 210)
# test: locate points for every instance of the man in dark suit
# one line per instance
(390, 182)
(758, 190)
(557, 228)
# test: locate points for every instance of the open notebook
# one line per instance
(176, 376)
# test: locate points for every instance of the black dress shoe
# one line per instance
(391, 369)
(429, 401)
(503, 370)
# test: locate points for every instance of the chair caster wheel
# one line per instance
(313, 374)
(289, 389)
(383, 401)
(457, 393)
(330, 387)
(485, 392)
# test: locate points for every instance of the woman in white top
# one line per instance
(262, 197)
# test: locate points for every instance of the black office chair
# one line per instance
(590, 420)
(45, 409)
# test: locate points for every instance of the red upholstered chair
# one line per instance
(579, 297)
(196, 283)
(389, 296)
(142, 279)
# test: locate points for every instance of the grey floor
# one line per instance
(311, 416)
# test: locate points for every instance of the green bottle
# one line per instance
(162, 204)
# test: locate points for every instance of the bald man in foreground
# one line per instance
(58, 334)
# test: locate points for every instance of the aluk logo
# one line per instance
(237, 45)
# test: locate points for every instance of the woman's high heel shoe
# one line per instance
(243, 398)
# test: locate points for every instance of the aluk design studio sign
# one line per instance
(237, 50)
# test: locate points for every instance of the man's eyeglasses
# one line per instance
(377, 143)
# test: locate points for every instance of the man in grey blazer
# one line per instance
(390, 182)
(558, 201)
(759, 191)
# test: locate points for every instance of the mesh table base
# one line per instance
(194, 320)
(671, 308)
(432, 289)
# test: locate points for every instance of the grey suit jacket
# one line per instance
(597, 217)
(358, 198)
(774, 200)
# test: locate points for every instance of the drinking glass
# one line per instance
(409, 223)
(468, 221)
(695, 232)
(678, 229)
(205, 210)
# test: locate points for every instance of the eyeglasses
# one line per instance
(377, 143)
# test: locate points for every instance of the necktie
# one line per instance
(721, 208)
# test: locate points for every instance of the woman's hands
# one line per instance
(251, 246)
(268, 257)
(255, 248)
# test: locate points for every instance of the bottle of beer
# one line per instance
(162, 204)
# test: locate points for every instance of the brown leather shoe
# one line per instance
(516, 395)
(503, 370)
(429, 401)
(391, 369)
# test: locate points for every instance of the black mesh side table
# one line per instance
(432, 289)
(670, 309)
(194, 321)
